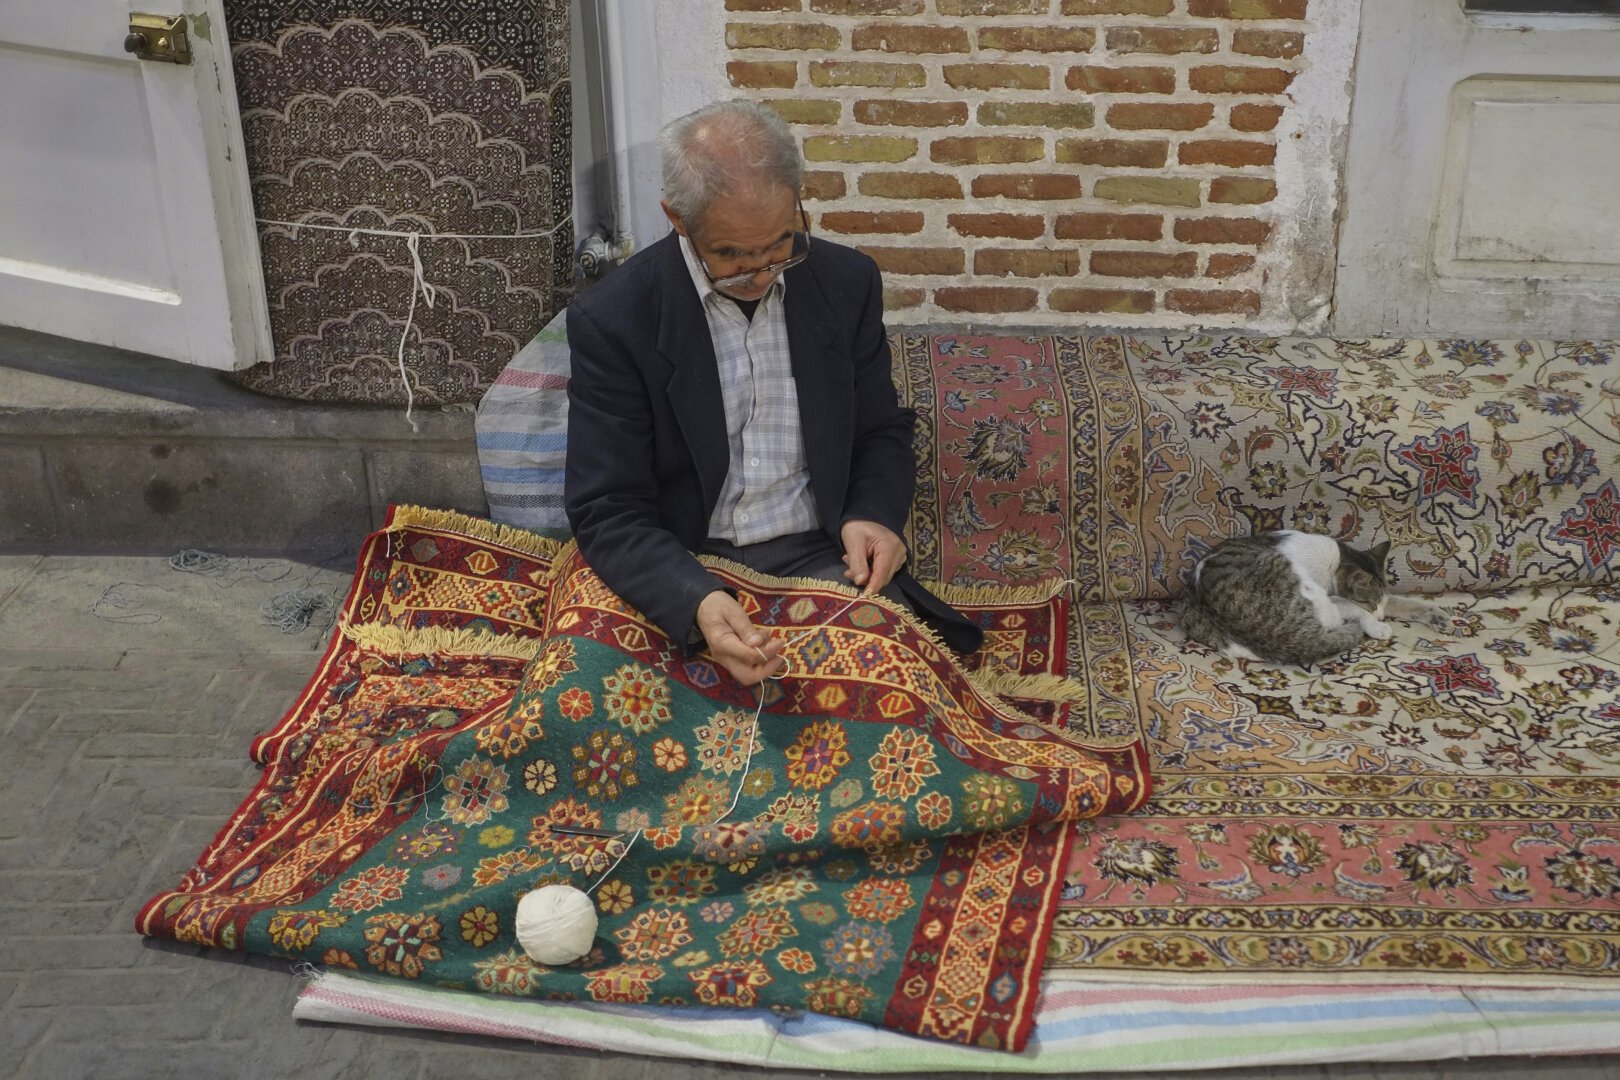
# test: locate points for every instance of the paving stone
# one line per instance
(13, 569)
(346, 1054)
(34, 886)
(182, 663)
(51, 988)
(67, 951)
(146, 744)
(157, 780)
(131, 1058)
(59, 660)
(33, 779)
(61, 795)
(120, 1023)
(165, 608)
(13, 700)
(21, 1029)
(125, 875)
(41, 920)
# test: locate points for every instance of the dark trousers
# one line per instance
(806, 554)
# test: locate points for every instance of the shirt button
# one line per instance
(742, 517)
(755, 463)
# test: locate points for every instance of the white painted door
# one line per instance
(1482, 194)
(125, 213)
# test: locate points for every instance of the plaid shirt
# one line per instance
(767, 489)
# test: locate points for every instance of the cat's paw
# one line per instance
(1417, 610)
(1377, 630)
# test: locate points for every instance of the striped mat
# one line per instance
(1081, 1027)
(522, 427)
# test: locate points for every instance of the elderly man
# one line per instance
(730, 394)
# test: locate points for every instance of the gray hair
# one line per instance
(728, 148)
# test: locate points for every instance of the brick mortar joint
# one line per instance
(1056, 63)
(1054, 19)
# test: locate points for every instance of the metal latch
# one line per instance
(158, 37)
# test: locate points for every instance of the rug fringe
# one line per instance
(442, 640)
(509, 536)
(996, 687)
(1040, 687)
(994, 595)
(976, 679)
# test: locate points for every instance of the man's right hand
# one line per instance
(736, 643)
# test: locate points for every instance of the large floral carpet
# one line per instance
(1443, 806)
(887, 843)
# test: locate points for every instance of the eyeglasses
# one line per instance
(801, 252)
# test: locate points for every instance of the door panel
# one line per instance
(74, 203)
(125, 215)
(1529, 182)
(1480, 194)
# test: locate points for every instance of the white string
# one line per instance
(353, 230)
(419, 282)
(753, 730)
(633, 838)
(634, 835)
(748, 760)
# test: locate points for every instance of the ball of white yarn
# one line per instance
(556, 924)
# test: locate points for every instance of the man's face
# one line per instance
(742, 233)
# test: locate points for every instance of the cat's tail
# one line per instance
(1320, 644)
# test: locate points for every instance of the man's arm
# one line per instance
(610, 492)
(883, 466)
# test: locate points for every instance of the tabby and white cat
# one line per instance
(1288, 597)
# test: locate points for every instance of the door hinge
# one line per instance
(158, 37)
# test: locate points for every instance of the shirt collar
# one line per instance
(694, 267)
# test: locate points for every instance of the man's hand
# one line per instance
(737, 644)
(873, 553)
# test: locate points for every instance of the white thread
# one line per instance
(555, 924)
(748, 759)
(419, 281)
(632, 843)
(753, 731)
(296, 225)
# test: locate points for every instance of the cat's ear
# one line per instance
(1380, 554)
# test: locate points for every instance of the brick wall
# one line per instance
(1009, 162)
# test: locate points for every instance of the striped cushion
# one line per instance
(522, 429)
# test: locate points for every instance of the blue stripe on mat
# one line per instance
(522, 440)
(496, 499)
(528, 474)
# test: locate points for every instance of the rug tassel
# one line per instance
(407, 516)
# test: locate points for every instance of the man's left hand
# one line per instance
(873, 554)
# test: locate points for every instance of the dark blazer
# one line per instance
(647, 450)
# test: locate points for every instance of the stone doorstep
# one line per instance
(104, 451)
